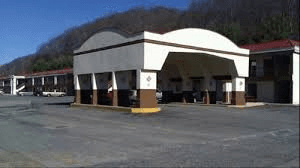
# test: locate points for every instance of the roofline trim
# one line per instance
(272, 50)
(159, 43)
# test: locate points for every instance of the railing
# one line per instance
(21, 85)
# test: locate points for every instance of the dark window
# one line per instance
(252, 90)
(268, 67)
(252, 67)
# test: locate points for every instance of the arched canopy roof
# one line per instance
(189, 36)
(202, 38)
(111, 50)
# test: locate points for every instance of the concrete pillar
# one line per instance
(94, 86)
(209, 90)
(32, 81)
(11, 87)
(238, 91)
(187, 90)
(227, 91)
(55, 80)
(114, 89)
(77, 89)
(146, 89)
(14, 85)
(295, 78)
(43, 80)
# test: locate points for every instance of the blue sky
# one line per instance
(26, 24)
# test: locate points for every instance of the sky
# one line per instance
(26, 24)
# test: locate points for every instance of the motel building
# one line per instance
(59, 80)
(179, 63)
(273, 72)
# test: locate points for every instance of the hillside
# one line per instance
(243, 22)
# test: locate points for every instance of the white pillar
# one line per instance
(14, 85)
(11, 86)
(76, 82)
(238, 84)
(114, 89)
(295, 78)
(55, 80)
(43, 80)
(227, 89)
(32, 81)
(146, 89)
(114, 81)
(94, 85)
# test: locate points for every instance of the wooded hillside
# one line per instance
(242, 21)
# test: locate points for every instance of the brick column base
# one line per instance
(238, 98)
(95, 97)
(77, 97)
(146, 98)
(114, 97)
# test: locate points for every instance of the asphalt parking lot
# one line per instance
(45, 131)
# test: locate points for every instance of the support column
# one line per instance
(14, 85)
(209, 90)
(55, 80)
(43, 80)
(187, 90)
(32, 81)
(295, 78)
(238, 91)
(114, 89)
(94, 86)
(11, 87)
(77, 90)
(146, 91)
(227, 91)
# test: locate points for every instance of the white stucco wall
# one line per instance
(238, 84)
(146, 79)
(118, 59)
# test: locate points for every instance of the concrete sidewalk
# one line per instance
(249, 104)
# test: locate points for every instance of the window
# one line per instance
(268, 67)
